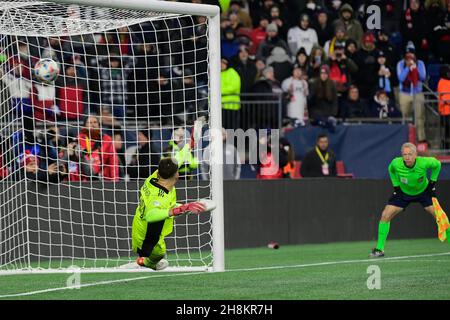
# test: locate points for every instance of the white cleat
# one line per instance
(161, 265)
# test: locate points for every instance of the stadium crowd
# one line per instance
(320, 56)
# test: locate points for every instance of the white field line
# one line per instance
(319, 264)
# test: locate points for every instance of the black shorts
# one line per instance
(403, 200)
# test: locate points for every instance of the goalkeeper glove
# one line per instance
(431, 188)
(192, 207)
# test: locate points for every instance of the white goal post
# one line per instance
(136, 68)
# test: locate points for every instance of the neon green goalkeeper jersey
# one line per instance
(154, 204)
(413, 181)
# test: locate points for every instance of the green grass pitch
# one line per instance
(412, 269)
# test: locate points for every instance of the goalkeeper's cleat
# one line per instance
(376, 253)
(161, 265)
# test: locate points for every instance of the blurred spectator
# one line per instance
(316, 60)
(108, 122)
(413, 27)
(231, 90)
(366, 59)
(383, 107)
(71, 95)
(246, 68)
(351, 49)
(259, 34)
(99, 150)
(229, 44)
(267, 83)
(353, 106)
(384, 75)
(287, 158)
(297, 90)
(281, 63)
(411, 73)
(278, 20)
(43, 100)
(352, 26)
(231, 161)
(340, 38)
(313, 7)
(323, 27)
(341, 69)
(272, 40)
(443, 91)
(258, 10)
(269, 166)
(322, 102)
(145, 160)
(235, 22)
(260, 66)
(302, 36)
(302, 62)
(20, 90)
(119, 146)
(113, 82)
(48, 157)
(244, 17)
(440, 32)
(383, 44)
(180, 150)
(319, 161)
(333, 7)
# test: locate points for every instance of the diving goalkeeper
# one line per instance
(408, 174)
(154, 215)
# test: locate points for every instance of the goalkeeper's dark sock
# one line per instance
(383, 231)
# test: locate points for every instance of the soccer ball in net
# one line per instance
(46, 70)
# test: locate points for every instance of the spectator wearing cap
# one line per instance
(366, 59)
(244, 17)
(413, 27)
(278, 19)
(340, 37)
(383, 107)
(259, 34)
(323, 27)
(316, 60)
(145, 160)
(272, 40)
(323, 100)
(443, 90)
(389, 51)
(229, 44)
(342, 69)
(302, 35)
(297, 91)
(281, 63)
(411, 74)
(353, 106)
(348, 20)
(384, 75)
(231, 90)
(302, 62)
(246, 68)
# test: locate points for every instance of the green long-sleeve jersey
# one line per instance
(413, 181)
(155, 202)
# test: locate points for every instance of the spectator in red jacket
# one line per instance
(99, 150)
(71, 94)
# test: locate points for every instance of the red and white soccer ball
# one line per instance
(46, 70)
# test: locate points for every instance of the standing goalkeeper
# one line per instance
(409, 177)
(154, 215)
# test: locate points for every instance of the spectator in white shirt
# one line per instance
(302, 35)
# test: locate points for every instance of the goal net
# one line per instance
(133, 83)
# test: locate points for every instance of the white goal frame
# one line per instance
(212, 13)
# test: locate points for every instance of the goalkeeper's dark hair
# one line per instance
(167, 168)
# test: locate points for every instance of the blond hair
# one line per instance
(410, 146)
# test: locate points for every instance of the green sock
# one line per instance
(383, 230)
